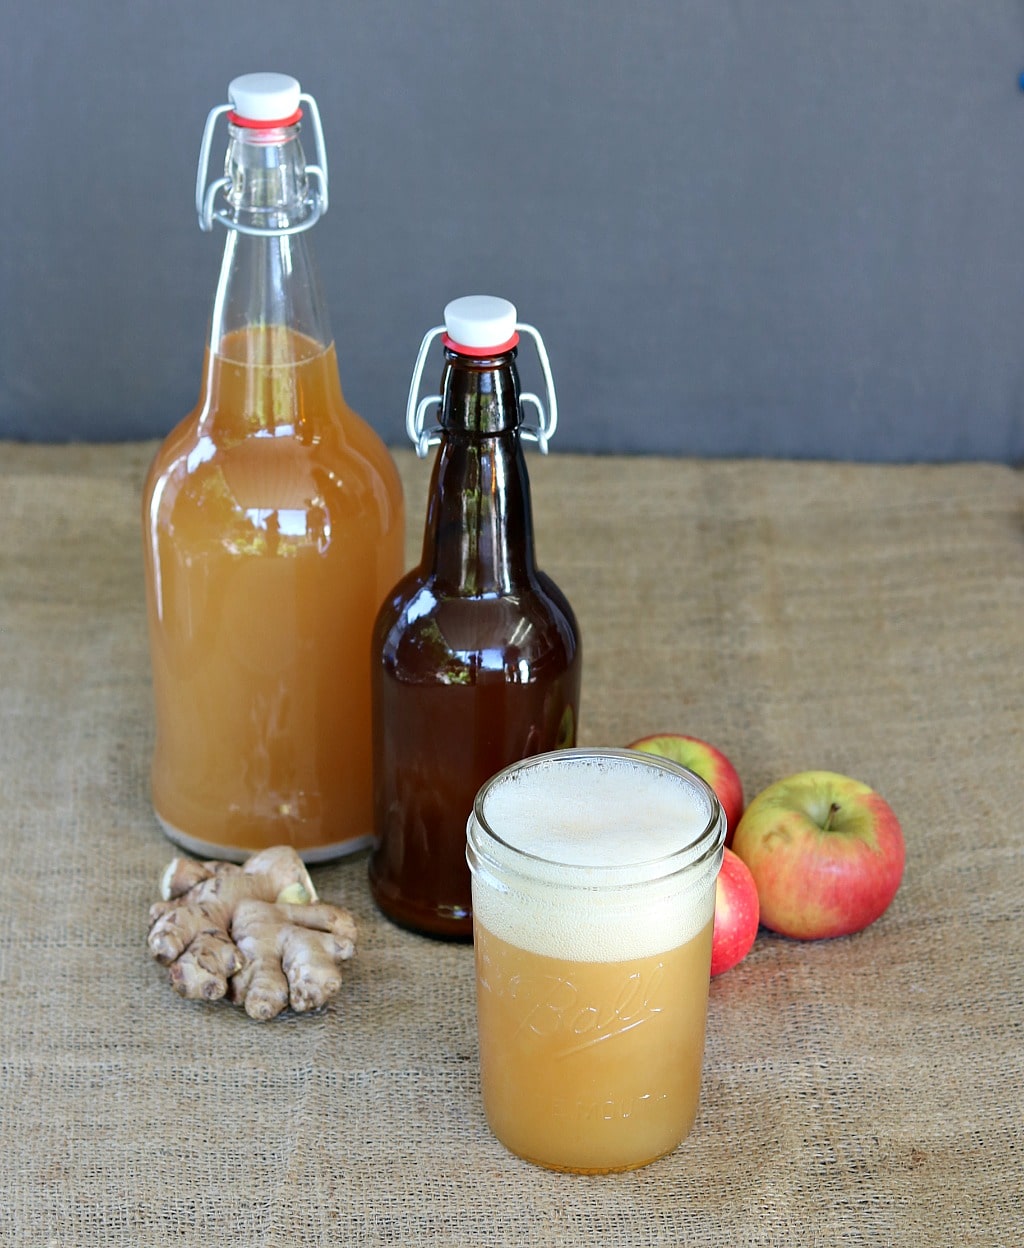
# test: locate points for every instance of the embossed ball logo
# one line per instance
(553, 1007)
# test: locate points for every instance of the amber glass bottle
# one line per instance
(476, 652)
(273, 528)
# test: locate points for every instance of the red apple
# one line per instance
(736, 914)
(710, 764)
(826, 853)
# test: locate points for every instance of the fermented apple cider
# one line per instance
(273, 527)
(593, 900)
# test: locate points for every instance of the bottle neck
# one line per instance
(478, 537)
(268, 279)
(269, 314)
(268, 187)
(269, 282)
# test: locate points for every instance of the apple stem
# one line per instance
(833, 810)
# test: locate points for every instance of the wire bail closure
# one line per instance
(207, 195)
(416, 408)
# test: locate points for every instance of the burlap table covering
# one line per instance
(860, 1091)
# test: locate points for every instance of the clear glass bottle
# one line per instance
(273, 528)
(476, 652)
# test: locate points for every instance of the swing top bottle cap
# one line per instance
(480, 325)
(264, 99)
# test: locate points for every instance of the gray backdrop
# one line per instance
(745, 227)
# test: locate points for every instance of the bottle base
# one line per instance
(237, 853)
(454, 931)
(452, 922)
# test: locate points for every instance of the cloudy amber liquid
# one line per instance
(591, 1067)
(273, 527)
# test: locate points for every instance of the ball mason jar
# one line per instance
(593, 900)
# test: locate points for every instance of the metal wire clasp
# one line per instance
(416, 408)
(206, 195)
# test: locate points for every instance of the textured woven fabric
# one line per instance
(861, 1091)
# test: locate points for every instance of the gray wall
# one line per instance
(745, 227)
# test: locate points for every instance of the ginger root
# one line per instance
(256, 933)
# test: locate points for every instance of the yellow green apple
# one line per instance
(826, 853)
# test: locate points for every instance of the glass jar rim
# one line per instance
(695, 853)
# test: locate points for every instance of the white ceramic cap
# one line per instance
(264, 97)
(480, 321)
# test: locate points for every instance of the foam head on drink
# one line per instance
(593, 901)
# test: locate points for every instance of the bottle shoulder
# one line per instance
(274, 382)
(351, 481)
(534, 623)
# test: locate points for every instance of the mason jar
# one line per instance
(593, 889)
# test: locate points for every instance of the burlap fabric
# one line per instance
(862, 1091)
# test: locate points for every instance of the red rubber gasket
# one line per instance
(250, 123)
(460, 349)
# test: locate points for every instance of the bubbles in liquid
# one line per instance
(608, 841)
